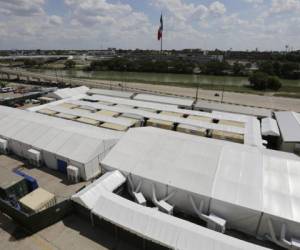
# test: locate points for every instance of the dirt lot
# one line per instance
(71, 233)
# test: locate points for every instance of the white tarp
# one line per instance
(243, 182)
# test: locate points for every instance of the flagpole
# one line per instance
(161, 44)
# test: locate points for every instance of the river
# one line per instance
(159, 77)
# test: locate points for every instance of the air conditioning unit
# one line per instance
(165, 207)
(73, 174)
(3, 146)
(139, 198)
(216, 223)
(34, 157)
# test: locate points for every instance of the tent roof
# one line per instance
(246, 176)
(165, 99)
(68, 139)
(289, 125)
(115, 93)
(161, 228)
(89, 196)
(232, 108)
(69, 92)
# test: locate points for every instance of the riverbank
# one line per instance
(206, 82)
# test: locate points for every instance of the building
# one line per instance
(54, 142)
(289, 126)
(231, 108)
(250, 189)
(100, 202)
(163, 110)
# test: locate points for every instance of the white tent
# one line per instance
(244, 185)
(179, 102)
(149, 223)
(57, 140)
(114, 93)
(89, 196)
(68, 92)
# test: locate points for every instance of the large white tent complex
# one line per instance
(148, 223)
(255, 190)
(59, 142)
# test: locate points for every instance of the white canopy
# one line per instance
(249, 180)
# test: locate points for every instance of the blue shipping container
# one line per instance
(31, 182)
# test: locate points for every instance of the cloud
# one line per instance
(55, 20)
(267, 24)
(217, 8)
(21, 7)
(282, 6)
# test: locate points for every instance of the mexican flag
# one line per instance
(161, 28)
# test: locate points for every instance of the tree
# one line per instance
(267, 67)
(259, 80)
(262, 81)
(237, 68)
(70, 64)
(274, 83)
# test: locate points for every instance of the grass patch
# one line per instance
(290, 95)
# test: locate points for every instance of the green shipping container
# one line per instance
(12, 184)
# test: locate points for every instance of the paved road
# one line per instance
(269, 102)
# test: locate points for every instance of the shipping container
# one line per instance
(160, 124)
(47, 112)
(114, 126)
(192, 130)
(66, 116)
(232, 123)
(171, 114)
(67, 105)
(107, 113)
(228, 136)
(137, 119)
(12, 185)
(32, 183)
(88, 121)
(37, 201)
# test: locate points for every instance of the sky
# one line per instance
(130, 24)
